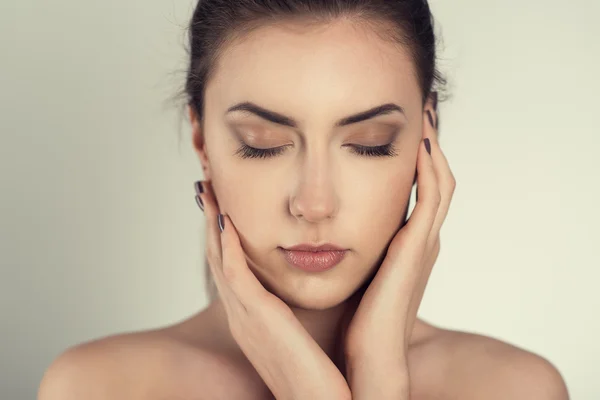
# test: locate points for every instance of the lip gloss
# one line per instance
(314, 261)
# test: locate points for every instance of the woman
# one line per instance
(312, 121)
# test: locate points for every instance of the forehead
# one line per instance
(315, 72)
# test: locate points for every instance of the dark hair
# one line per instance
(217, 23)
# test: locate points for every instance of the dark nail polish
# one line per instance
(430, 118)
(427, 145)
(434, 95)
(221, 222)
(198, 187)
(199, 202)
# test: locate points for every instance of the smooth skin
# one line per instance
(376, 340)
(277, 332)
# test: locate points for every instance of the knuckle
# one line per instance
(265, 298)
(229, 273)
(451, 179)
(449, 187)
(212, 256)
(398, 244)
(437, 198)
(452, 183)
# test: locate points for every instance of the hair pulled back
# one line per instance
(215, 24)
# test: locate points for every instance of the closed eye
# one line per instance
(246, 151)
(386, 150)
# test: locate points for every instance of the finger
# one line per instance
(418, 227)
(407, 249)
(213, 247)
(446, 182)
(425, 266)
(239, 277)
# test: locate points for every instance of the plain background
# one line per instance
(100, 233)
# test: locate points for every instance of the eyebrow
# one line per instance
(281, 119)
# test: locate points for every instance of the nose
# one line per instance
(315, 198)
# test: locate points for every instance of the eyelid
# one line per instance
(242, 139)
(388, 136)
(386, 150)
(362, 144)
(251, 139)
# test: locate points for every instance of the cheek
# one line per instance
(380, 210)
(251, 205)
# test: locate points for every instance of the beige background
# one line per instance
(100, 232)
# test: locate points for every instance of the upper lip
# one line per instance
(312, 247)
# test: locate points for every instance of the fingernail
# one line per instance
(434, 95)
(427, 145)
(430, 118)
(198, 187)
(221, 221)
(200, 203)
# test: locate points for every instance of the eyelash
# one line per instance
(386, 150)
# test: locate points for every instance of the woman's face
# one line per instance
(317, 188)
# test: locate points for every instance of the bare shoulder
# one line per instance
(474, 366)
(153, 364)
(118, 366)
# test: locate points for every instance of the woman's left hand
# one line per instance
(377, 338)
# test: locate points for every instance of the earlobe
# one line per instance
(199, 143)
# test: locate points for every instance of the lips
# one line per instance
(314, 261)
(310, 247)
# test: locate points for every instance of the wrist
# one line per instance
(378, 383)
(328, 384)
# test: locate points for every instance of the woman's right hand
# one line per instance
(283, 353)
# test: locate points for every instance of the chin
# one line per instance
(314, 298)
(319, 291)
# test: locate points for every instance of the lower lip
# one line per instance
(314, 261)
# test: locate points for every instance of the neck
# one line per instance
(325, 327)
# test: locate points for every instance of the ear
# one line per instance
(198, 141)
